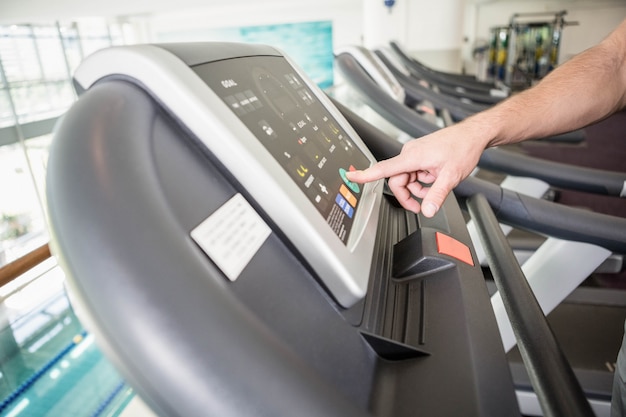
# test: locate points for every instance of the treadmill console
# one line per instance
(272, 100)
(273, 130)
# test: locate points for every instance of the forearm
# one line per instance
(589, 87)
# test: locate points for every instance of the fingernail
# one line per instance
(429, 209)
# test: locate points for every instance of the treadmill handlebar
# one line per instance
(550, 374)
(460, 108)
(555, 173)
(450, 79)
(512, 208)
(548, 218)
(411, 122)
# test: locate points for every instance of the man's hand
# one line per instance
(427, 168)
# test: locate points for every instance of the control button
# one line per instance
(345, 206)
(350, 198)
(352, 185)
(447, 245)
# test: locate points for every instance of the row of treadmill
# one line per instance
(199, 205)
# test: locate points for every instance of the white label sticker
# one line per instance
(232, 235)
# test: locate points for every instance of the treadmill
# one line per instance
(199, 206)
(472, 90)
(419, 90)
(471, 79)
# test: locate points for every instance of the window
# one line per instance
(36, 63)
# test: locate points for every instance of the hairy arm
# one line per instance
(586, 89)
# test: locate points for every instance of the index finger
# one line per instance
(382, 169)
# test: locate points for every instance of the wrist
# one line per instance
(483, 130)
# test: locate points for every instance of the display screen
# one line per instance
(270, 98)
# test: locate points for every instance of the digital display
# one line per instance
(269, 97)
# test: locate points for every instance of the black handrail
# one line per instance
(571, 177)
(551, 376)
(547, 217)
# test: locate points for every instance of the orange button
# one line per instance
(447, 245)
(350, 198)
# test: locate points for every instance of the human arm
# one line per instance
(589, 87)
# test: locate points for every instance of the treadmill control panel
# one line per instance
(271, 99)
(278, 137)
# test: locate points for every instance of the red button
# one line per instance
(447, 245)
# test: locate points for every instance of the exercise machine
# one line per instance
(454, 85)
(199, 206)
(527, 49)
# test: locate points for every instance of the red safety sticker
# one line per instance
(450, 246)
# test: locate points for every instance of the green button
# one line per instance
(351, 185)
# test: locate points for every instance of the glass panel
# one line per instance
(22, 227)
(71, 43)
(31, 99)
(116, 34)
(51, 53)
(42, 100)
(90, 46)
(37, 150)
(94, 35)
(6, 114)
(19, 59)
